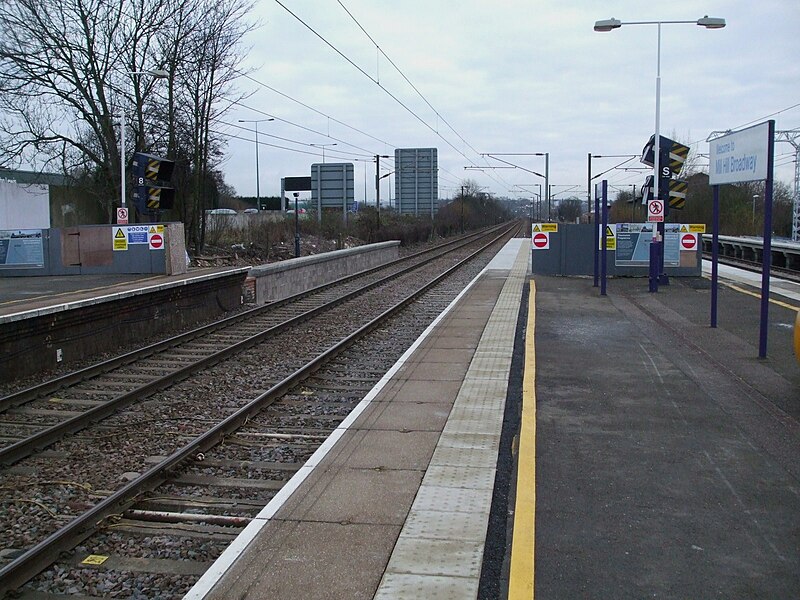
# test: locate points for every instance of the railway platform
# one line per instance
(648, 456)
(52, 322)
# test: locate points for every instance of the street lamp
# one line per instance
(296, 226)
(323, 146)
(158, 74)
(256, 122)
(612, 23)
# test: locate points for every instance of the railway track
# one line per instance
(186, 496)
(755, 267)
(36, 417)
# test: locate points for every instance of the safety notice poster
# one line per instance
(21, 248)
(633, 244)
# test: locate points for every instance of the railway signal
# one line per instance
(672, 155)
(151, 180)
(672, 191)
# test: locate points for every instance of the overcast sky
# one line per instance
(508, 76)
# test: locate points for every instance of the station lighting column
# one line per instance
(256, 122)
(611, 24)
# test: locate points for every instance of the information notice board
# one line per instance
(633, 244)
(21, 248)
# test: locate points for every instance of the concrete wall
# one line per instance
(281, 280)
(572, 253)
(91, 249)
(24, 206)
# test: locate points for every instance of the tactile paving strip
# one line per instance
(440, 548)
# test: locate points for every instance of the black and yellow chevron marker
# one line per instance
(153, 198)
(677, 193)
(678, 154)
(151, 171)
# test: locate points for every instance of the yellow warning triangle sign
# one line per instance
(536, 228)
(684, 229)
(609, 231)
(152, 229)
(119, 234)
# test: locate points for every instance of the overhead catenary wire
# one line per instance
(305, 128)
(315, 110)
(407, 80)
(377, 82)
(380, 50)
(291, 141)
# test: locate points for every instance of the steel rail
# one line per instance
(37, 391)
(38, 558)
(46, 437)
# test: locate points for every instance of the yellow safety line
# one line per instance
(520, 582)
(757, 295)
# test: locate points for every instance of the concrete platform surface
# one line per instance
(396, 503)
(667, 454)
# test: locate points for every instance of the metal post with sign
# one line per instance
(736, 157)
(604, 251)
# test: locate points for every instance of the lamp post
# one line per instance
(462, 209)
(296, 226)
(378, 178)
(158, 74)
(256, 122)
(323, 146)
(611, 24)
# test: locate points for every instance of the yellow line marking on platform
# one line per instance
(520, 581)
(758, 295)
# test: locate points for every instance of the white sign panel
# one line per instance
(739, 156)
(655, 211)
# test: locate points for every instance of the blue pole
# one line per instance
(767, 256)
(596, 237)
(603, 251)
(714, 255)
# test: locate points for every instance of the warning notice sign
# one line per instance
(120, 239)
(611, 238)
(155, 237)
(545, 228)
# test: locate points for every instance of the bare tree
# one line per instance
(68, 68)
(203, 55)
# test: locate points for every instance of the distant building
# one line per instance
(333, 187)
(416, 181)
(46, 199)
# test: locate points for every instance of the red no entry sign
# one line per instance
(541, 241)
(688, 241)
(156, 241)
